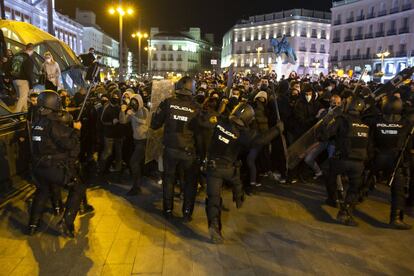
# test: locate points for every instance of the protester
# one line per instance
(52, 74)
(22, 67)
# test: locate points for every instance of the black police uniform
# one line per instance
(178, 114)
(389, 138)
(351, 150)
(228, 140)
(53, 145)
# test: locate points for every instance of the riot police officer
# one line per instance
(351, 150)
(230, 136)
(390, 132)
(53, 143)
(178, 115)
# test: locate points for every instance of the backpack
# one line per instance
(16, 67)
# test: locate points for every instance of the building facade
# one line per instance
(181, 52)
(95, 37)
(35, 12)
(374, 34)
(248, 46)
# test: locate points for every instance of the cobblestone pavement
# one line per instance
(283, 230)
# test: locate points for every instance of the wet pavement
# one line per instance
(283, 230)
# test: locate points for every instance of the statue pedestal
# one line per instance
(283, 68)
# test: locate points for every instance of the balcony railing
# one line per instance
(348, 38)
(356, 57)
(239, 52)
(406, 7)
(366, 56)
(179, 59)
(370, 15)
(346, 57)
(350, 19)
(382, 13)
(322, 51)
(312, 50)
(394, 10)
(368, 36)
(155, 58)
(392, 32)
(333, 59)
(170, 59)
(302, 49)
(401, 54)
(314, 36)
(358, 37)
(323, 36)
(360, 17)
(379, 34)
(303, 34)
(163, 59)
(337, 22)
(336, 40)
(404, 30)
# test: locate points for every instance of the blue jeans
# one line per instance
(313, 154)
(111, 146)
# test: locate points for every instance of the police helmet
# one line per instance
(392, 105)
(242, 114)
(50, 100)
(179, 86)
(355, 105)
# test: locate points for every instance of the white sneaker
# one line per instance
(317, 175)
(278, 178)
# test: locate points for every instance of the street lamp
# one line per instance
(139, 36)
(121, 11)
(382, 55)
(150, 49)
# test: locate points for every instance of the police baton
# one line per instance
(92, 85)
(282, 135)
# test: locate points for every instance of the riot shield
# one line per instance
(161, 90)
(298, 150)
(392, 85)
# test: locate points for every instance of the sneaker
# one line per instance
(317, 175)
(255, 184)
(278, 177)
(215, 235)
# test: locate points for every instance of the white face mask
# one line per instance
(48, 59)
(204, 86)
(308, 98)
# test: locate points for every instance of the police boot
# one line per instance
(135, 190)
(32, 229)
(397, 222)
(215, 231)
(187, 215)
(84, 207)
(345, 215)
(66, 229)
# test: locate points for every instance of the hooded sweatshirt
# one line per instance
(140, 120)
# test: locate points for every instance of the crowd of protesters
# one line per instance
(117, 123)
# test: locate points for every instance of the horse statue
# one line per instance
(283, 47)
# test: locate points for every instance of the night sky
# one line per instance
(212, 16)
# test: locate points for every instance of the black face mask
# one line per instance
(264, 87)
(114, 101)
(213, 103)
(134, 105)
